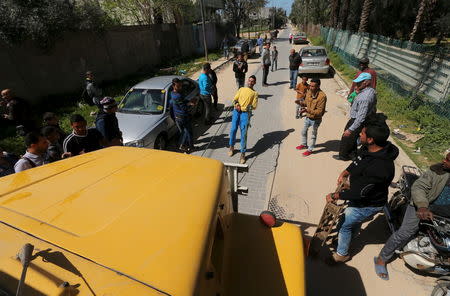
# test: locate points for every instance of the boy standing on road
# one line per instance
(180, 107)
(240, 67)
(265, 63)
(245, 100)
(213, 77)
(301, 90)
(205, 84)
(314, 108)
(274, 58)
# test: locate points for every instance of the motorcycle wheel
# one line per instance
(441, 289)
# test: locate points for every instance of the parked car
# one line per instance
(251, 46)
(144, 115)
(314, 60)
(300, 38)
(133, 221)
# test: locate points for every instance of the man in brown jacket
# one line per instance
(314, 108)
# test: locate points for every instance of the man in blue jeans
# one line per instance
(294, 62)
(244, 101)
(370, 174)
(313, 106)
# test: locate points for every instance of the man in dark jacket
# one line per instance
(370, 174)
(294, 62)
(431, 192)
(107, 123)
(180, 109)
(240, 67)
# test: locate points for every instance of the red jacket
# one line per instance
(374, 78)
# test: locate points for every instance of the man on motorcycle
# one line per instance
(370, 174)
(431, 189)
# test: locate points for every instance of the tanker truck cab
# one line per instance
(133, 221)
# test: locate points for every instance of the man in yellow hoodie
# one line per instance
(245, 100)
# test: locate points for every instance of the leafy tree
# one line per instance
(43, 21)
(239, 10)
(146, 12)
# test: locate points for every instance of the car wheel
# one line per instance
(200, 110)
(160, 142)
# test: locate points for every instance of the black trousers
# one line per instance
(208, 112)
(266, 69)
(348, 145)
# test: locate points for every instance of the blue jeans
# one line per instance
(225, 52)
(293, 74)
(185, 127)
(239, 119)
(351, 223)
(315, 125)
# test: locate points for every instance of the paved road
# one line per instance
(264, 136)
(294, 187)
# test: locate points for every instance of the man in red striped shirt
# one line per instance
(364, 67)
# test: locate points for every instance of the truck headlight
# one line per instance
(137, 143)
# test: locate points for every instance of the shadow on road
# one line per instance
(375, 233)
(264, 97)
(268, 141)
(278, 83)
(327, 280)
(328, 146)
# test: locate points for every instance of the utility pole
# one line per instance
(204, 31)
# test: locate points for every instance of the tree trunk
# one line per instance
(419, 18)
(336, 5)
(364, 23)
(344, 16)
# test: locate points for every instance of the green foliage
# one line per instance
(146, 12)
(45, 20)
(422, 120)
(239, 10)
(304, 12)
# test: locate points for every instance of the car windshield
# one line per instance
(143, 101)
(316, 52)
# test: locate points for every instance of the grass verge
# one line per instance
(431, 129)
(66, 105)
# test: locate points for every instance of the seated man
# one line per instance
(7, 161)
(82, 139)
(431, 189)
(370, 174)
(16, 110)
(51, 119)
(36, 152)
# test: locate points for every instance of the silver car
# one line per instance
(144, 113)
(314, 60)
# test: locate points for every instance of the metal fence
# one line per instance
(417, 71)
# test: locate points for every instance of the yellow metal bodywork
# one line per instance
(129, 221)
(141, 212)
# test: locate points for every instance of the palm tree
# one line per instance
(424, 7)
(335, 6)
(366, 10)
(344, 15)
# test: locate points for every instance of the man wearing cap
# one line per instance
(364, 67)
(107, 123)
(363, 106)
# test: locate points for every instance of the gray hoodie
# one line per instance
(28, 161)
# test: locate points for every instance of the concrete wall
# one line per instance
(34, 73)
(428, 72)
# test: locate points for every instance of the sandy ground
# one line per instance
(300, 186)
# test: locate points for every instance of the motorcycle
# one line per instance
(429, 250)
